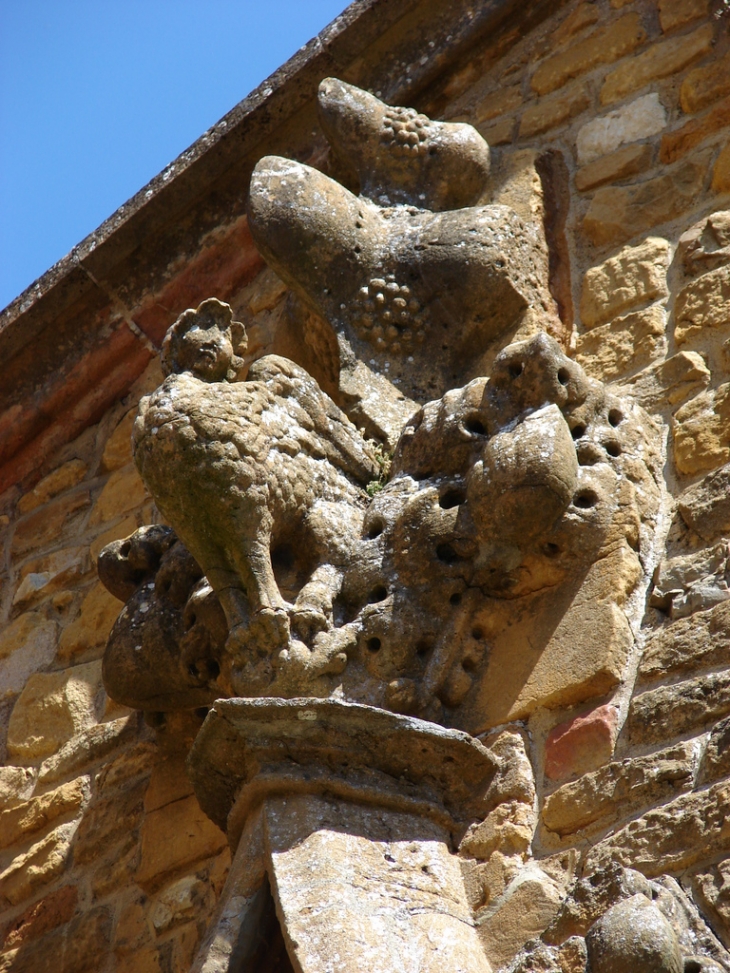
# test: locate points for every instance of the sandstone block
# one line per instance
(638, 120)
(169, 782)
(691, 582)
(633, 935)
(581, 744)
(16, 785)
(46, 575)
(625, 162)
(670, 382)
(115, 869)
(265, 291)
(507, 829)
(43, 862)
(132, 932)
(658, 61)
(669, 711)
(678, 143)
(705, 507)
(554, 110)
(123, 492)
(618, 213)
(44, 526)
(701, 432)
(700, 641)
(705, 84)
(671, 838)
(636, 275)
(87, 748)
(107, 821)
(123, 529)
(52, 708)
(486, 881)
(601, 47)
(99, 611)
(134, 762)
(500, 133)
(51, 912)
(513, 780)
(27, 818)
(26, 645)
(498, 102)
(677, 13)
(584, 15)
(118, 448)
(180, 902)
(716, 759)
(711, 886)
(79, 946)
(63, 478)
(627, 344)
(721, 172)
(618, 790)
(174, 837)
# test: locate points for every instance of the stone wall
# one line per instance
(107, 862)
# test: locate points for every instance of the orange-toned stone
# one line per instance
(498, 102)
(721, 172)
(601, 47)
(658, 61)
(555, 110)
(118, 449)
(46, 525)
(677, 13)
(584, 15)
(123, 529)
(51, 912)
(169, 782)
(46, 575)
(123, 492)
(132, 932)
(625, 162)
(18, 823)
(107, 821)
(705, 85)
(683, 140)
(63, 478)
(701, 430)
(43, 862)
(633, 277)
(582, 744)
(79, 946)
(500, 133)
(99, 611)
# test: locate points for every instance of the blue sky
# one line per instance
(97, 96)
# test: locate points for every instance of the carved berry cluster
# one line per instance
(405, 131)
(391, 317)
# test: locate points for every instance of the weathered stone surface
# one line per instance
(618, 790)
(87, 748)
(633, 935)
(678, 143)
(617, 213)
(601, 47)
(79, 946)
(669, 711)
(486, 881)
(581, 744)
(118, 448)
(133, 762)
(45, 915)
(671, 382)
(701, 641)
(705, 246)
(635, 276)
(658, 61)
(507, 829)
(90, 630)
(132, 932)
(705, 84)
(631, 342)
(124, 491)
(705, 507)
(29, 817)
(115, 868)
(45, 576)
(52, 708)
(702, 432)
(26, 645)
(638, 120)
(711, 886)
(43, 862)
(498, 102)
(63, 478)
(43, 527)
(721, 172)
(513, 779)
(677, 13)
(122, 529)
(169, 782)
(691, 582)
(107, 822)
(716, 759)
(16, 785)
(554, 110)
(619, 165)
(582, 16)
(174, 837)
(179, 903)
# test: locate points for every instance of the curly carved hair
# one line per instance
(210, 314)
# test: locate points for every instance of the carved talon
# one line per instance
(308, 623)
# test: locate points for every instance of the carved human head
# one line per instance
(205, 341)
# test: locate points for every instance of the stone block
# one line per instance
(671, 382)
(118, 448)
(124, 490)
(46, 575)
(618, 790)
(265, 291)
(581, 744)
(169, 782)
(499, 133)
(16, 785)
(677, 13)
(43, 916)
(61, 479)
(627, 344)
(582, 16)
(705, 507)
(99, 611)
(43, 862)
(52, 708)
(173, 838)
(131, 763)
(79, 946)
(149, 960)
(43, 527)
(107, 821)
(619, 165)
(702, 304)
(513, 780)
(617, 213)
(180, 902)
(698, 642)
(25, 819)
(678, 143)
(635, 276)
(715, 764)
(658, 61)
(721, 172)
(705, 85)
(660, 714)
(508, 829)
(711, 887)
(638, 120)
(486, 881)
(88, 747)
(701, 432)
(123, 529)
(26, 645)
(116, 867)
(554, 110)
(671, 838)
(603, 46)
(498, 102)
(132, 932)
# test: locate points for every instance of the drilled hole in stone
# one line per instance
(190, 620)
(475, 425)
(613, 448)
(125, 549)
(615, 417)
(423, 648)
(468, 665)
(455, 599)
(373, 645)
(446, 554)
(563, 376)
(516, 369)
(477, 633)
(375, 529)
(692, 966)
(379, 593)
(551, 550)
(201, 712)
(433, 150)
(585, 499)
(577, 431)
(452, 498)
